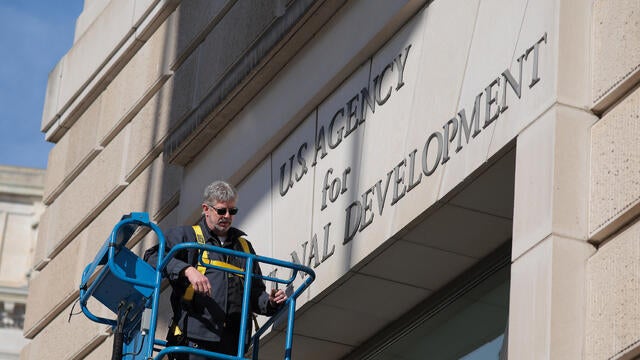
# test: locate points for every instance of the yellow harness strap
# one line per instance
(188, 294)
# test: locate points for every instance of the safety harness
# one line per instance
(188, 294)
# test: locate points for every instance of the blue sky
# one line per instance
(34, 35)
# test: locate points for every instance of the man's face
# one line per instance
(218, 215)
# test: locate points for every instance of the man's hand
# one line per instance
(277, 297)
(199, 282)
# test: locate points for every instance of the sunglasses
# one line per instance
(223, 211)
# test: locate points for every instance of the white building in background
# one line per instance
(463, 175)
(20, 209)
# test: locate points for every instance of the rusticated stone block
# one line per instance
(40, 258)
(201, 14)
(149, 128)
(103, 351)
(64, 339)
(615, 159)
(51, 95)
(69, 262)
(73, 152)
(616, 55)
(613, 298)
(92, 49)
(227, 41)
(153, 191)
(162, 113)
(135, 84)
(89, 192)
(90, 11)
(181, 94)
(56, 171)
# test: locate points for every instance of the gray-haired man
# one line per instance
(206, 302)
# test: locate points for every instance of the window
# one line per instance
(466, 320)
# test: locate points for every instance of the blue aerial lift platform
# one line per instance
(130, 288)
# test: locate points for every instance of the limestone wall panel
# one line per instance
(613, 298)
(573, 49)
(550, 183)
(98, 183)
(149, 128)
(102, 352)
(90, 52)
(90, 11)
(182, 93)
(225, 43)
(100, 228)
(51, 95)
(64, 340)
(24, 354)
(40, 254)
(143, 7)
(159, 184)
(73, 152)
(160, 115)
(615, 159)
(616, 54)
(56, 171)
(162, 112)
(202, 15)
(83, 134)
(546, 303)
(150, 192)
(57, 282)
(135, 84)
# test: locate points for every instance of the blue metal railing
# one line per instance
(125, 280)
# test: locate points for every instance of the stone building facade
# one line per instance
(463, 176)
(20, 209)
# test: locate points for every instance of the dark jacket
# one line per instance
(204, 316)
